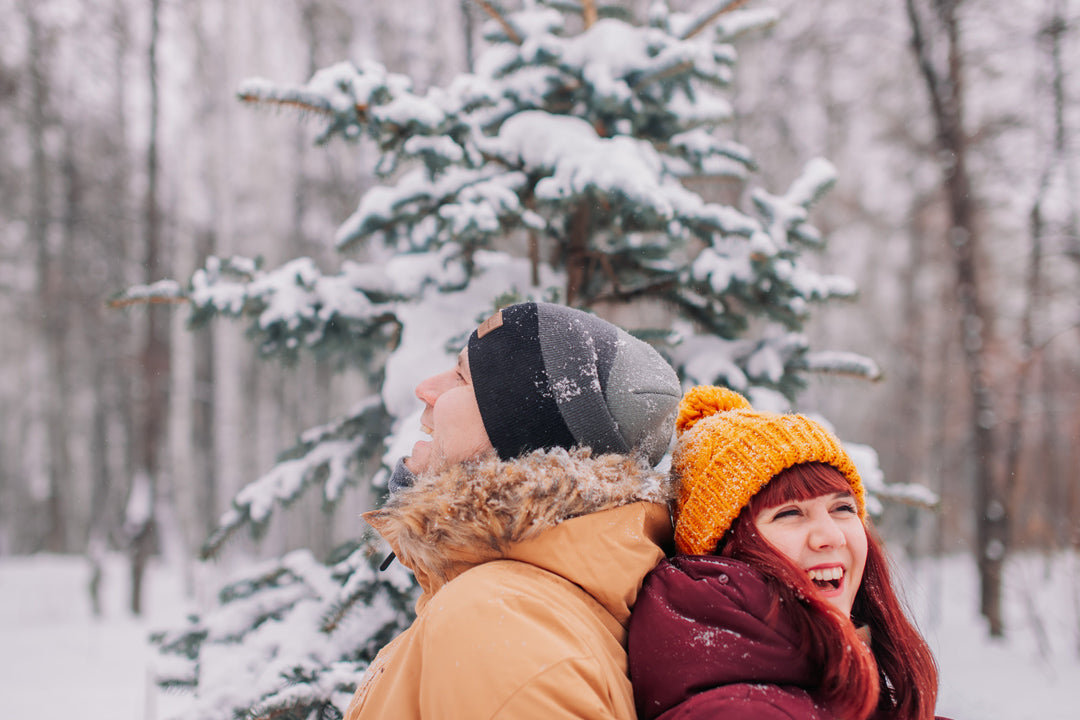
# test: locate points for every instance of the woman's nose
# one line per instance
(826, 533)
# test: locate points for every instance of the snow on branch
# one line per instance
(363, 582)
(878, 491)
(470, 207)
(354, 98)
(501, 19)
(735, 25)
(698, 146)
(842, 363)
(160, 292)
(816, 179)
(710, 15)
(326, 456)
(256, 655)
(295, 306)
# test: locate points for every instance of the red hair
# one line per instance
(896, 676)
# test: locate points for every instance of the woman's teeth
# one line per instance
(826, 574)
(425, 429)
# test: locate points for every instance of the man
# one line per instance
(530, 518)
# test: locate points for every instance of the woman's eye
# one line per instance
(846, 508)
(788, 512)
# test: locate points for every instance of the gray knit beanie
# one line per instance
(549, 376)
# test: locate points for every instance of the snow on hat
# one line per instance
(727, 452)
(549, 376)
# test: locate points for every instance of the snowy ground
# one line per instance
(58, 662)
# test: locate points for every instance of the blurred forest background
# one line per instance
(952, 124)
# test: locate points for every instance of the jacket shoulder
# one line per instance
(496, 601)
(506, 636)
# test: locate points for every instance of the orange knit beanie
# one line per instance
(727, 452)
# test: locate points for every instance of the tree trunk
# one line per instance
(946, 91)
(912, 439)
(154, 358)
(1059, 479)
(110, 419)
(577, 258)
(211, 65)
(50, 290)
(467, 23)
(204, 418)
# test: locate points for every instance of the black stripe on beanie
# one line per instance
(517, 405)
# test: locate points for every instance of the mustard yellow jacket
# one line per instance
(529, 570)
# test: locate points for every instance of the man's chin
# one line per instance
(425, 459)
(420, 459)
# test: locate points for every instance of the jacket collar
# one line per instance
(539, 509)
(707, 621)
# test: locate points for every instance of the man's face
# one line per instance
(452, 418)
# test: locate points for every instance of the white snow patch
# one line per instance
(104, 665)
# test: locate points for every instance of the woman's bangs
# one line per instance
(800, 482)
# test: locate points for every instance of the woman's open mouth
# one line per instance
(827, 578)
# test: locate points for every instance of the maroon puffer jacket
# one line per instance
(701, 646)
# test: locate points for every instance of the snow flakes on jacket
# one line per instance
(530, 568)
(709, 641)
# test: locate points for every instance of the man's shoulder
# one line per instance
(520, 636)
(514, 598)
(500, 582)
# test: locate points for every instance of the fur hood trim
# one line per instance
(474, 512)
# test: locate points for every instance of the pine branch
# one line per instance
(122, 302)
(501, 19)
(909, 494)
(321, 458)
(161, 292)
(707, 20)
(295, 103)
(853, 373)
(629, 294)
(668, 72)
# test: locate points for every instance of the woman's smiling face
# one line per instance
(824, 537)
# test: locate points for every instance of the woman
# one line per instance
(779, 604)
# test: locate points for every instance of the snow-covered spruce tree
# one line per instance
(557, 171)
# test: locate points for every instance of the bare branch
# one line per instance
(926, 65)
(146, 300)
(704, 22)
(501, 19)
(293, 103)
(589, 13)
